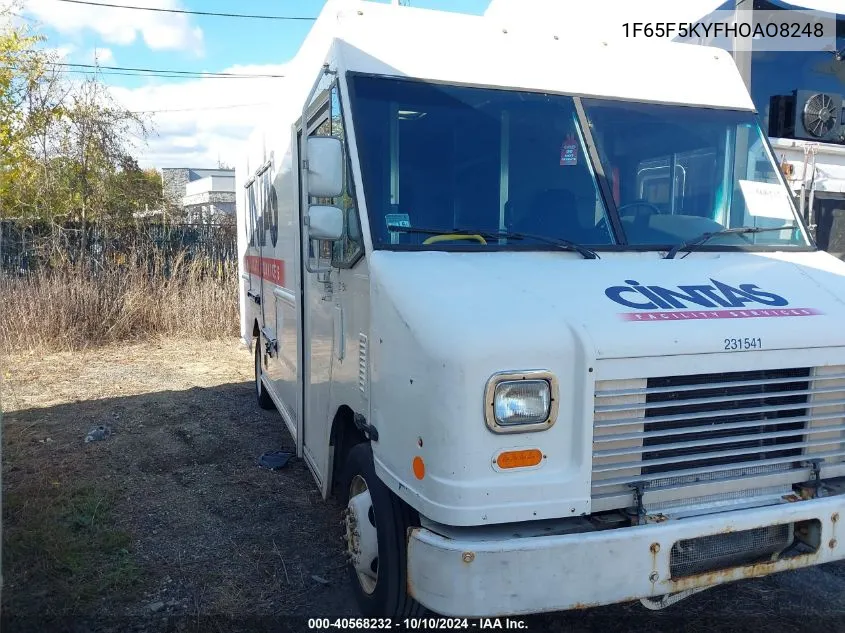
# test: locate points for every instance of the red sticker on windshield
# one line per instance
(569, 151)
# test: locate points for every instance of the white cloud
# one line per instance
(102, 56)
(62, 52)
(160, 31)
(200, 121)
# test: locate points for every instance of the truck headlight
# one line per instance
(518, 402)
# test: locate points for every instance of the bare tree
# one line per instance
(99, 136)
(65, 147)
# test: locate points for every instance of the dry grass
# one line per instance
(140, 297)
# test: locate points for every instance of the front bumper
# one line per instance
(478, 577)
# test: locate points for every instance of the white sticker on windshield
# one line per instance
(766, 200)
(397, 219)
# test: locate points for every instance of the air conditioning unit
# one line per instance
(819, 116)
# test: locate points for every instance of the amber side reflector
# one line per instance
(419, 467)
(519, 459)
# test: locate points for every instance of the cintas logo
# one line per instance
(657, 303)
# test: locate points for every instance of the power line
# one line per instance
(161, 10)
(152, 71)
(22, 17)
(91, 73)
(166, 70)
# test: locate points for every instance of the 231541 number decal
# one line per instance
(743, 343)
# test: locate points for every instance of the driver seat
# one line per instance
(556, 213)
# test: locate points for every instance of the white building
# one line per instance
(200, 195)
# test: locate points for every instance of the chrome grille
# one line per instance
(683, 437)
(693, 420)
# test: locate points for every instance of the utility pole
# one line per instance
(741, 50)
(742, 46)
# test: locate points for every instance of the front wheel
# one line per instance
(264, 400)
(376, 524)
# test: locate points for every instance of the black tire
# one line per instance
(393, 517)
(264, 400)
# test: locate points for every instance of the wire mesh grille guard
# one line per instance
(722, 551)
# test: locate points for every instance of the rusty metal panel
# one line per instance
(480, 577)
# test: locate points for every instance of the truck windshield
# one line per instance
(490, 161)
(678, 172)
(449, 157)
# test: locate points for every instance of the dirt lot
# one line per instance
(168, 524)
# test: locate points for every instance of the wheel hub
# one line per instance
(361, 534)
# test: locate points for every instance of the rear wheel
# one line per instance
(264, 400)
(376, 524)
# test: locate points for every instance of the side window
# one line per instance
(251, 215)
(323, 128)
(272, 209)
(349, 248)
(256, 197)
(345, 252)
(248, 219)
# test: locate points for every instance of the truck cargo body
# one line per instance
(487, 294)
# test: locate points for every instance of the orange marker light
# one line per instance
(419, 467)
(519, 459)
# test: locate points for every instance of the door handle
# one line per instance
(254, 296)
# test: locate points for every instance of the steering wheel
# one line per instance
(454, 237)
(639, 203)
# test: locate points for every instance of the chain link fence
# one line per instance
(25, 249)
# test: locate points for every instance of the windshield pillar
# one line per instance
(597, 169)
(673, 184)
(727, 191)
(393, 113)
(504, 172)
(742, 146)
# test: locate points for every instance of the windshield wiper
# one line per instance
(584, 251)
(688, 245)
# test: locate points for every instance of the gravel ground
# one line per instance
(168, 523)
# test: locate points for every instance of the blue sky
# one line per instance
(226, 42)
(196, 121)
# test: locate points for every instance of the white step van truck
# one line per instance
(543, 314)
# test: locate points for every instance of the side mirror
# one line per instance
(325, 166)
(324, 223)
